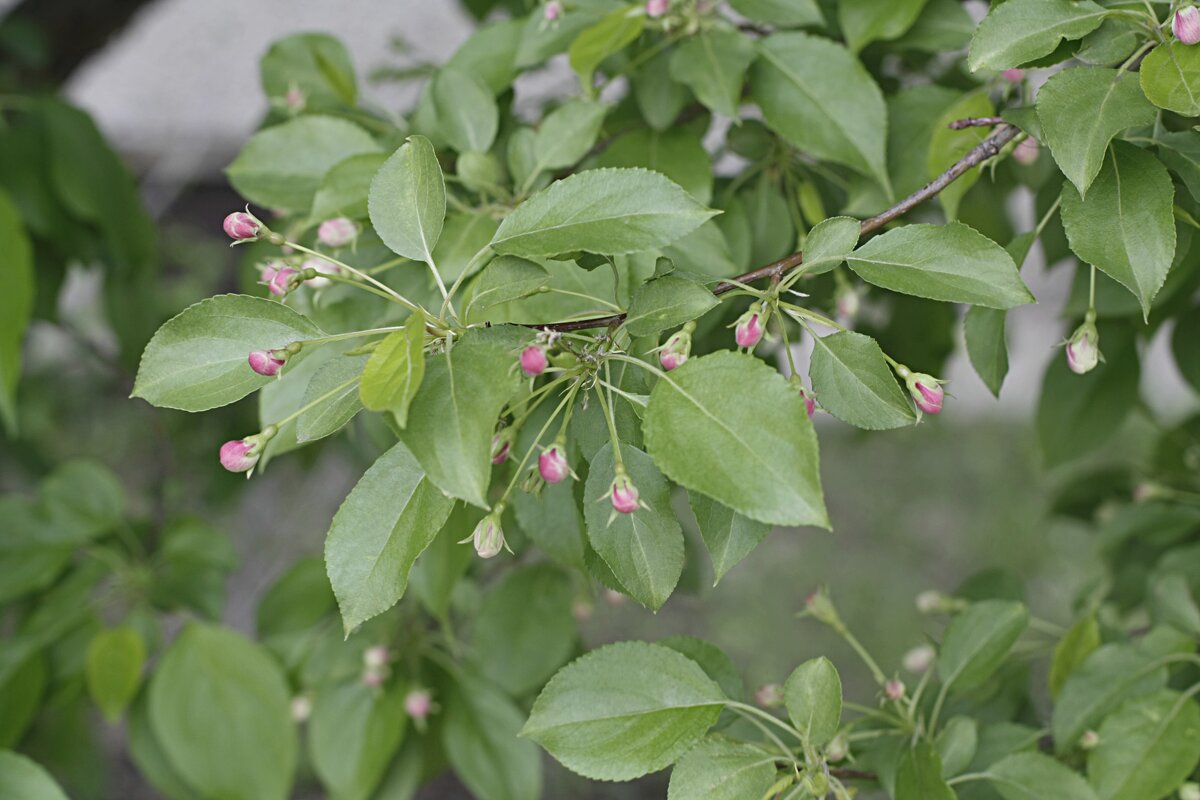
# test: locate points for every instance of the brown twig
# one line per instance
(976, 122)
(988, 148)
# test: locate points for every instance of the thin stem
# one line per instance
(437, 276)
(360, 285)
(783, 748)
(745, 709)
(610, 420)
(399, 298)
(549, 421)
(845, 633)
(1092, 292)
(338, 337)
(314, 403)
(484, 255)
(970, 776)
(597, 300)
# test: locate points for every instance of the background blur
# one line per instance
(173, 85)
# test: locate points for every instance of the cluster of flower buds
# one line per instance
(240, 455)
(1083, 348)
(750, 327)
(1186, 25)
(552, 463)
(375, 665)
(657, 8)
(418, 705)
(769, 695)
(337, 232)
(488, 536)
(623, 494)
(678, 348)
(925, 390)
(919, 659)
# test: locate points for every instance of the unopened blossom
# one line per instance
(319, 268)
(893, 689)
(502, 445)
(534, 360)
(838, 749)
(1083, 348)
(278, 277)
(847, 302)
(769, 695)
(1189, 791)
(926, 390)
(552, 464)
(1014, 75)
(819, 605)
(749, 329)
(488, 536)
(267, 362)
(242, 227)
(295, 99)
(418, 703)
(375, 657)
(582, 610)
(657, 8)
(1090, 740)
(239, 455)
(678, 348)
(810, 402)
(301, 708)
(337, 232)
(919, 659)
(931, 601)
(552, 10)
(1186, 25)
(623, 494)
(1027, 151)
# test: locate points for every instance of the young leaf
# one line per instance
(608, 36)
(16, 305)
(1072, 650)
(919, 775)
(197, 359)
(332, 395)
(821, 98)
(977, 640)
(1020, 31)
(624, 710)
(1033, 776)
(315, 64)
(505, 279)
(829, 242)
(390, 516)
(1125, 226)
(813, 697)
(1170, 77)
(722, 769)
(27, 780)
(866, 21)
(408, 200)
(953, 263)
(1147, 748)
(1109, 675)
(713, 65)
(352, 735)
(957, 744)
(853, 381)
(987, 345)
(467, 114)
(567, 134)
(1081, 110)
(728, 536)
(481, 740)
(644, 549)
(678, 154)
(344, 188)
(728, 426)
(282, 166)
(665, 303)
(395, 370)
(219, 707)
(453, 415)
(603, 211)
(782, 13)
(114, 669)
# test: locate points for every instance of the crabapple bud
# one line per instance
(820, 606)
(375, 657)
(769, 695)
(295, 99)
(552, 10)
(657, 8)
(582, 610)
(919, 659)
(810, 402)
(1186, 25)
(1027, 151)
(613, 597)
(337, 232)
(533, 360)
(552, 464)
(748, 330)
(1089, 740)
(1083, 348)
(243, 227)
(239, 455)
(488, 537)
(279, 279)
(321, 267)
(501, 445)
(418, 703)
(623, 494)
(301, 708)
(847, 302)
(926, 390)
(1014, 75)
(893, 689)
(677, 349)
(838, 749)
(931, 601)
(267, 362)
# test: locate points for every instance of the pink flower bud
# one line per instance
(533, 360)
(373, 678)
(1186, 25)
(279, 278)
(748, 331)
(848, 303)
(810, 402)
(926, 390)
(769, 695)
(321, 267)
(242, 227)
(1027, 151)
(267, 362)
(294, 99)
(656, 8)
(375, 657)
(488, 537)
(552, 10)
(677, 349)
(301, 708)
(418, 703)
(337, 232)
(1090, 740)
(501, 445)
(1014, 75)
(919, 659)
(838, 749)
(624, 494)
(1083, 348)
(552, 464)
(819, 605)
(931, 601)
(239, 455)
(613, 597)
(893, 689)
(582, 610)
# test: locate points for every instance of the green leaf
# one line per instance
(1081, 110)
(678, 154)
(281, 167)
(977, 640)
(24, 779)
(525, 631)
(728, 536)
(408, 200)
(1181, 153)
(219, 706)
(866, 21)
(1172, 603)
(659, 97)
(1033, 776)
(644, 549)
(491, 54)
(463, 237)
(505, 279)
(395, 370)
(722, 769)
(947, 146)
(1187, 355)
(332, 398)
(783, 13)
(352, 735)
(624, 710)
(956, 745)
(1072, 650)
(1125, 227)
(1147, 748)
(452, 418)
(467, 114)
(666, 302)
(829, 242)
(942, 25)
(24, 673)
(715, 663)
(821, 99)
(480, 737)
(16, 305)
(919, 775)
(704, 428)
(316, 64)
(813, 698)
(603, 211)
(987, 345)
(953, 263)
(1109, 675)
(114, 669)
(345, 188)
(713, 64)
(1020, 31)
(390, 516)
(1170, 77)
(197, 359)
(853, 381)
(81, 500)
(608, 36)
(566, 135)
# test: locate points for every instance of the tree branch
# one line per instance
(988, 148)
(976, 122)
